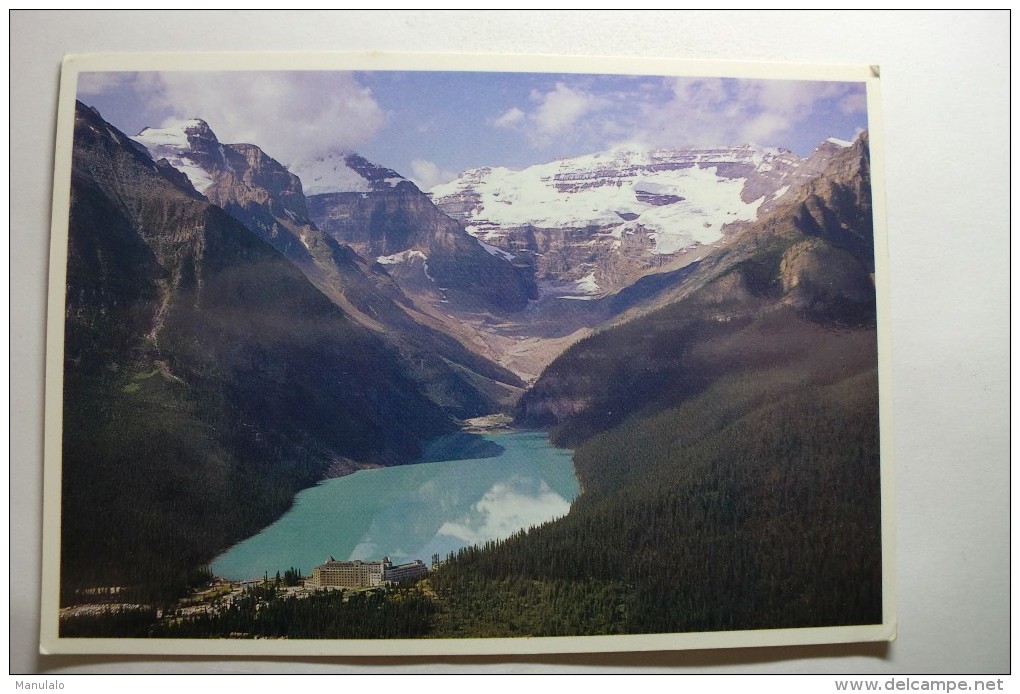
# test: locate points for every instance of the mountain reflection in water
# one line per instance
(414, 511)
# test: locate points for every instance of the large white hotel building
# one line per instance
(364, 574)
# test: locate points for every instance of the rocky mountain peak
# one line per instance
(429, 254)
(233, 176)
(386, 214)
(190, 146)
(198, 129)
(600, 221)
(194, 134)
(345, 172)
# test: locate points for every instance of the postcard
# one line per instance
(430, 355)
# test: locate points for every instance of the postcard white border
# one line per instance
(73, 65)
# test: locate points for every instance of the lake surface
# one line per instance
(414, 511)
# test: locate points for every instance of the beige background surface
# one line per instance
(945, 88)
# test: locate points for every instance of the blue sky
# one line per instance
(429, 126)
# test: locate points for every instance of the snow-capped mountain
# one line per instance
(343, 172)
(386, 218)
(262, 194)
(190, 147)
(370, 208)
(682, 196)
(603, 219)
(493, 241)
(250, 185)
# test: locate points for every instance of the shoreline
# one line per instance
(497, 423)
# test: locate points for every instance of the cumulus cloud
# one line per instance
(95, 83)
(598, 114)
(512, 118)
(719, 111)
(427, 174)
(763, 127)
(563, 113)
(784, 97)
(291, 115)
(854, 103)
(559, 109)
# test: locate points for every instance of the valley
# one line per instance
(693, 329)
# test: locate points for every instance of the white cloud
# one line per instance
(510, 119)
(427, 174)
(783, 97)
(561, 114)
(698, 94)
(763, 127)
(291, 115)
(94, 83)
(718, 111)
(559, 110)
(854, 103)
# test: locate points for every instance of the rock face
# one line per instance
(813, 250)
(374, 210)
(800, 278)
(344, 172)
(811, 257)
(253, 180)
(383, 223)
(594, 224)
(261, 193)
(251, 186)
(428, 253)
(384, 217)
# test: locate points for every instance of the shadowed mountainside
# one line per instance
(206, 380)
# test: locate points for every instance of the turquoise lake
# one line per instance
(413, 511)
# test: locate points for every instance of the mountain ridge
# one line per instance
(811, 254)
(608, 218)
(262, 194)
